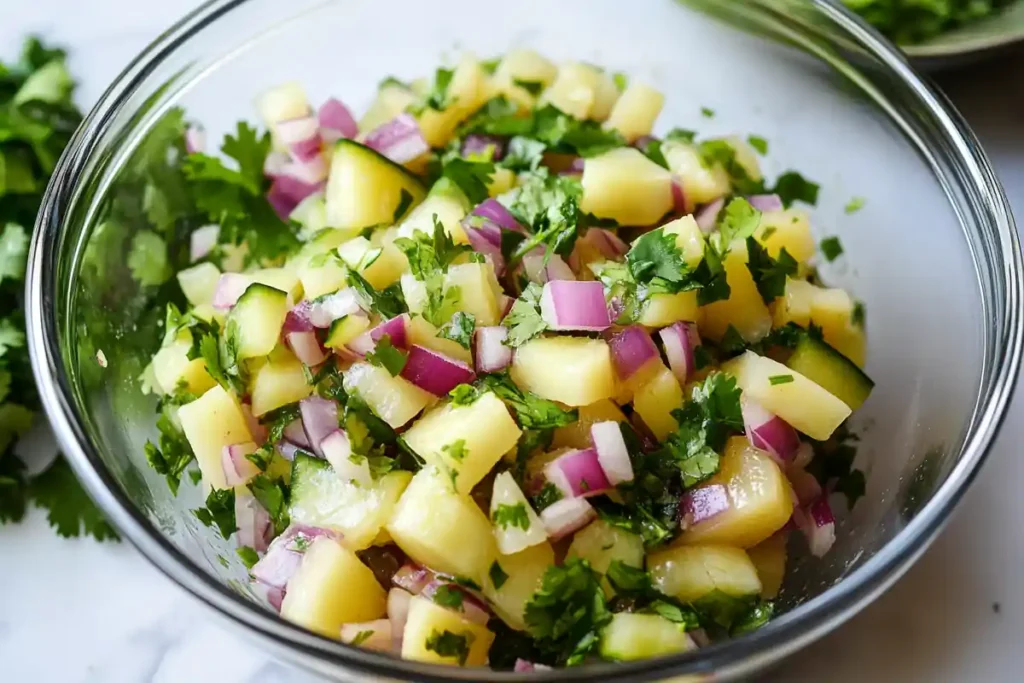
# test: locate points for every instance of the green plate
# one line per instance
(974, 40)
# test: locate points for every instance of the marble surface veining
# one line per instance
(74, 611)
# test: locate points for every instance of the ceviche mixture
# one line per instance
(494, 377)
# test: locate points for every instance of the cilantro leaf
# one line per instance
(456, 450)
(549, 206)
(452, 645)
(171, 455)
(564, 133)
(738, 222)
(511, 515)
(460, 329)
(523, 154)
(272, 494)
(472, 177)
(13, 252)
(712, 414)
(566, 614)
(498, 575)
(69, 509)
(758, 143)
(531, 411)
(532, 87)
(388, 303)
(831, 248)
(449, 596)
(681, 135)
(524, 321)
(219, 511)
(278, 419)
(759, 615)
(436, 97)
(769, 274)
(248, 556)
(707, 112)
(429, 257)
(721, 153)
(793, 187)
(387, 356)
(549, 495)
(855, 204)
(655, 256)
(499, 116)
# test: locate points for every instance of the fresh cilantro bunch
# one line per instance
(914, 21)
(37, 119)
(565, 616)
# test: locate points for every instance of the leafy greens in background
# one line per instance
(913, 21)
(37, 120)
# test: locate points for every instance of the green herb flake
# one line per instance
(451, 645)
(387, 356)
(248, 556)
(524, 321)
(793, 187)
(775, 380)
(769, 273)
(456, 450)
(854, 205)
(532, 87)
(566, 614)
(758, 143)
(498, 575)
(362, 637)
(831, 248)
(707, 112)
(511, 515)
(705, 422)
(449, 597)
(532, 411)
(460, 329)
(219, 511)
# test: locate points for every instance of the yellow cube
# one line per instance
(332, 587)
(573, 370)
(422, 333)
(577, 434)
(465, 440)
(689, 239)
(381, 265)
(789, 229)
(466, 92)
(428, 621)
(392, 399)
(278, 384)
(173, 369)
(700, 183)
(211, 422)
(690, 572)
(525, 572)
(635, 112)
(795, 304)
(661, 310)
(478, 291)
(624, 185)
(441, 529)
(324, 278)
(655, 401)
(769, 558)
(745, 310)
(574, 89)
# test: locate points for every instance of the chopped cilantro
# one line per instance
(386, 356)
(247, 555)
(451, 645)
(655, 256)
(563, 133)
(681, 135)
(456, 450)
(278, 419)
(532, 87)
(721, 153)
(707, 113)
(855, 204)
(769, 274)
(460, 329)
(652, 150)
(429, 257)
(523, 154)
(272, 494)
(621, 80)
(566, 614)
(219, 511)
(436, 97)
(388, 303)
(500, 116)
(498, 575)
(831, 248)
(549, 206)
(172, 453)
(531, 411)
(548, 496)
(449, 597)
(464, 395)
(511, 515)
(759, 615)
(758, 143)
(711, 415)
(857, 316)
(738, 222)
(793, 187)
(780, 379)
(524, 321)
(362, 637)
(472, 177)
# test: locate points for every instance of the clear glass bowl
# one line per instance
(934, 255)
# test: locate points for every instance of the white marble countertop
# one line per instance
(76, 611)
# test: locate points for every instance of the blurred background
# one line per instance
(80, 610)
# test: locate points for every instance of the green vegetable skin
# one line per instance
(37, 118)
(601, 601)
(912, 21)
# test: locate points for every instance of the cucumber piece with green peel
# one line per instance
(632, 636)
(366, 188)
(255, 322)
(831, 370)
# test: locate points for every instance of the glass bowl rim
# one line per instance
(728, 659)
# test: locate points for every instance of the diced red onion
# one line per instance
(678, 196)
(480, 243)
(766, 202)
(336, 121)
(288, 450)
(700, 637)
(306, 347)
(400, 139)
(583, 472)
(803, 457)
(325, 310)
(258, 431)
(435, 372)
(195, 138)
(490, 352)
(818, 525)
(275, 163)
(641, 142)
(612, 453)
(337, 450)
(301, 136)
(202, 241)
(632, 349)
(397, 329)
(567, 516)
(703, 503)
(805, 486)
(572, 305)
(554, 269)
(303, 177)
(319, 418)
(477, 144)
(607, 243)
(473, 609)
(680, 340)
(494, 211)
(361, 345)
(252, 520)
(769, 432)
(238, 469)
(575, 166)
(296, 433)
(522, 666)
(398, 613)
(707, 216)
(298, 318)
(230, 287)
(412, 578)
(378, 640)
(285, 555)
(274, 596)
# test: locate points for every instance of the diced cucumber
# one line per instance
(834, 372)
(345, 329)
(365, 188)
(199, 282)
(632, 636)
(319, 497)
(447, 202)
(256, 320)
